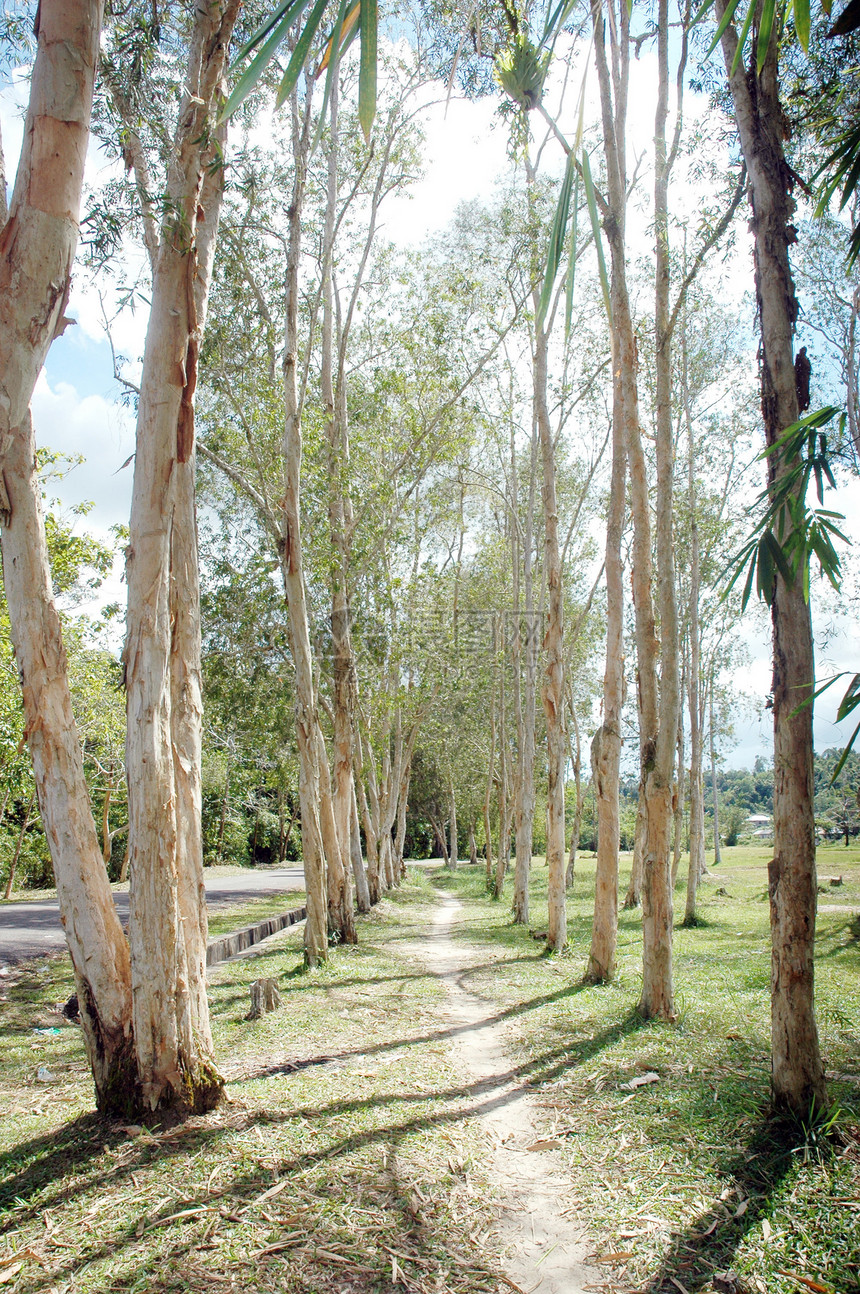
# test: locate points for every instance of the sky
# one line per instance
(78, 410)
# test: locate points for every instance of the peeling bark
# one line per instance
(37, 248)
(167, 908)
(797, 1071)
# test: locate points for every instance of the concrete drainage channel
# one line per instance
(225, 947)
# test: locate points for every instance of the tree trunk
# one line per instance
(658, 708)
(576, 759)
(491, 762)
(37, 248)
(715, 794)
(402, 807)
(633, 897)
(167, 906)
(473, 848)
(370, 815)
(362, 888)
(697, 799)
(797, 1070)
(526, 755)
(607, 741)
(225, 805)
(503, 855)
(678, 795)
(307, 723)
(553, 686)
(340, 904)
(452, 827)
(19, 845)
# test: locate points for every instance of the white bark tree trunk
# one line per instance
(607, 741)
(167, 907)
(359, 873)
(697, 799)
(37, 248)
(715, 794)
(340, 902)
(553, 685)
(526, 787)
(307, 722)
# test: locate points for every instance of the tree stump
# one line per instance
(265, 997)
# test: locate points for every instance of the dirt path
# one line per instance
(539, 1248)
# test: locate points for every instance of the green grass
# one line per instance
(686, 1175)
(224, 921)
(347, 1146)
(341, 1151)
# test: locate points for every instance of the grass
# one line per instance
(684, 1178)
(223, 921)
(340, 1162)
(346, 1161)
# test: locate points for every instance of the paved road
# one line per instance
(32, 929)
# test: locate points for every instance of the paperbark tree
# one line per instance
(340, 900)
(797, 1072)
(291, 560)
(553, 684)
(696, 711)
(37, 247)
(655, 778)
(525, 810)
(167, 907)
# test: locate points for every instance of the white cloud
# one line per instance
(100, 430)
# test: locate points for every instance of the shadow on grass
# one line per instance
(300, 980)
(461, 1103)
(35, 1164)
(851, 944)
(710, 1243)
(432, 1035)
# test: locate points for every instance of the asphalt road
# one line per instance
(32, 929)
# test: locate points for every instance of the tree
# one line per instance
(797, 1070)
(39, 237)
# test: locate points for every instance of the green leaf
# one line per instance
(846, 752)
(749, 583)
(556, 240)
(571, 269)
(264, 28)
(595, 228)
(300, 53)
(727, 17)
(331, 61)
(742, 40)
(255, 69)
(367, 67)
(802, 22)
(765, 32)
(556, 20)
(850, 700)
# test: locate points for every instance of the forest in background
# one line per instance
(466, 511)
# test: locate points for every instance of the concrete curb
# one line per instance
(227, 946)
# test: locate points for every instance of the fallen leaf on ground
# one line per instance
(615, 1258)
(804, 1280)
(766, 1229)
(641, 1080)
(545, 1144)
(9, 1272)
